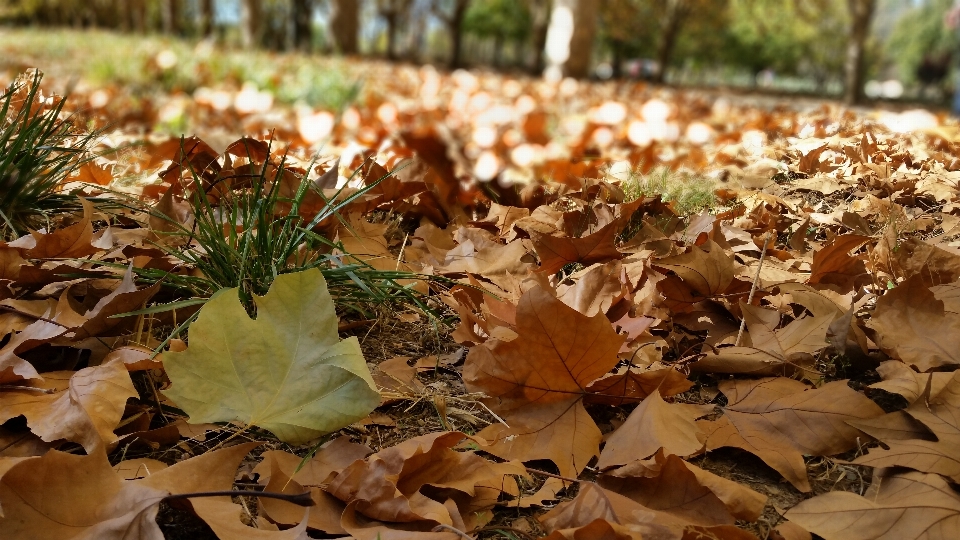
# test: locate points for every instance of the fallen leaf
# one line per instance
(941, 415)
(652, 426)
(285, 371)
(538, 380)
(912, 324)
(779, 420)
(555, 252)
(908, 506)
(83, 406)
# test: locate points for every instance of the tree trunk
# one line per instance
(540, 11)
(861, 14)
(674, 15)
(455, 25)
(573, 24)
(345, 25)
(250, 23)
(205, 19)
(391, 18)
(303, 24)
(665, 52)
(170, 16)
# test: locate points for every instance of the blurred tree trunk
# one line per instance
(136, 14)
(573, 25)
(394, 12)
(673, 14)
(861, 14)
(250, 23)
(303, 24)
(205, 19)
(454, 23)
(170, 16)
(345, 25)
(540, 22)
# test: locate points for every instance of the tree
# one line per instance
(250, 23)
(205, 19)
(302, 13)
(345, 25)
(393, 13)
(452, 16)
(573, 25)
(622, 29)
(539, 23)
(501, 20)
(861, 13)
(920, 35)
(673, 15)
(170, 11)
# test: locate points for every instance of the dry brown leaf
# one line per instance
(908, 506)
(941, 415)
(783, 351)
(779, 420)
(631, 384)
(595, 503)
(83, 407)
(387, 486)
(912, 324)
(331, 458)
(324, 515)
(537, 382)
(674, 490)
(65, 496)
(898, 378)
(555, 252)
(652, 426)
(834, 266)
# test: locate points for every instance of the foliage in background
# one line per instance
(919, 33)
(159, 64)
(38, 150)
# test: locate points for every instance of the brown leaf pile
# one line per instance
(614, 346)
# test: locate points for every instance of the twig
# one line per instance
(37, 317)
(551, 475)
(301, 499)
(4, 387)
(443, 527)
(753, 287)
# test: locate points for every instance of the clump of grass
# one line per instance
(688, 193)
(245, 235)
(38, 151)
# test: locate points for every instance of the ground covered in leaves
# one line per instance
(638, 312)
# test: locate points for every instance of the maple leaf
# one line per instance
(538, 381)
(627, 518)
(669, 484)
(910, 506)
(388, 485)
(941, 415)
(652, 426)
(834, 266)
(83, 406)
(779, 420)
(66, 496)
(914, 325)
(286, 371)
(774, 351)
(555, 252)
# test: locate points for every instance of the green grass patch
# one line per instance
(688, 193)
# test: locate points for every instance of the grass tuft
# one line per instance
(38, 151)
(688, 193)
(247, 234)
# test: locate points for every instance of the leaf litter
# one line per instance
(588, 359)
